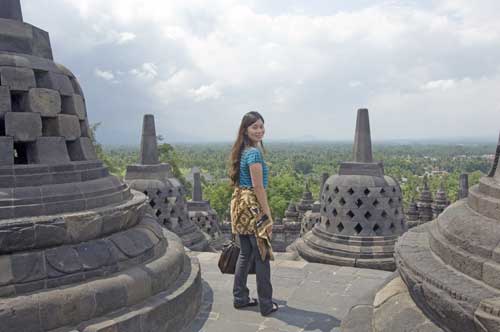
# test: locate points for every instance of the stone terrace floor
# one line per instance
(312, 297)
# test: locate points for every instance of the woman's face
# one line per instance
(256, 132)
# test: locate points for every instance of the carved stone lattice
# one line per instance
(361, 212)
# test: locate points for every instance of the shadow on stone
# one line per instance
(205, 309)
(305, 319)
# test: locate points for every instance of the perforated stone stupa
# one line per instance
(311, 218)
(203, 215)
(78, 252)
(166, 193)
(424, 203)
(305, 203)
(449, 271)
(361, 212)
(441, 201)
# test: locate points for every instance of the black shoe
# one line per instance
(274, 309)
(252, 303)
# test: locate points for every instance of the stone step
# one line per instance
(489, 186)
(315, 254)
(464, 228)
(170, 310)
(62, 198)
(38, 270)
(483, 203)
(449, 296)
(70, 228)
(355, 240)
(156, 282)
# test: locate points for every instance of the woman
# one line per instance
(250, 215)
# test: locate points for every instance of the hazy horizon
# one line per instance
(414, 141)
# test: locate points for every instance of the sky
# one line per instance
(424, 69)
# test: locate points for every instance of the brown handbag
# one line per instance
(229, 257)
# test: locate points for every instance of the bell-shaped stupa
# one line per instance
(203, 215)
(78, 251)
(448, 268)
(361, 212)
(424, 203)
(167, 196)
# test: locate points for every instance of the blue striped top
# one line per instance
(251, 156)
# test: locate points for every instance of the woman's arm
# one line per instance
(258, 187)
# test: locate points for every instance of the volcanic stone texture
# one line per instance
(361, 212)
(450, 268)
(167, 199)
(78, 249)
(40, 99)
(202, 215)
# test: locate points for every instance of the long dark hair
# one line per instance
(242, 142)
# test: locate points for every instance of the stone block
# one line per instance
(76, 86)
(94, 255)
(15, 36)
(74, 105)
(17, 79)
(47, 102)
(40, 44)
(49, 150)
(28, 267)
(5, 270)
(110, 297)
(82, 149)
(19, 315)
(63, 260)
(5, 104)
(64, 70)
(14, 60)
(64, 207)
(55, 81)
(50, 234)
(6, 150)
(63, 125)
(66, 177)
(65, 308)
(84, 128)
(23, 127)
(19, 239)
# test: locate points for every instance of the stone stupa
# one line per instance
(449, 271)
(78, 251)
(441, 200)
(424, 203)
(166, 193)
(412, 215)
(305, 203)
(203, 215)
(361, 212)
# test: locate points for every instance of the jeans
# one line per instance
(249, 254)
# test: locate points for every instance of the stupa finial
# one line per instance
(11, 9)
(362, 150)
(149, 148)
(197, 191)
(495, 170)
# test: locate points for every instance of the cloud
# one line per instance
(439, 84)
(125, 37)
(104, 74)
(146, 71)
(205, 92)
(315, 61)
